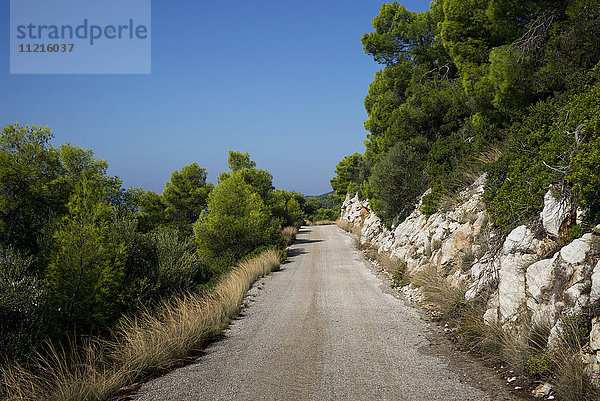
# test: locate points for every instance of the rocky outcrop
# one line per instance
(527, 275)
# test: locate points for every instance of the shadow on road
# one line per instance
(291, 253)
(306, 241)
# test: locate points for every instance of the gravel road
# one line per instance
(327, 327)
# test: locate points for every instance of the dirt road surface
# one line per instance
(327, 327)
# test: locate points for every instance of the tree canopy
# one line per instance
(469, 78)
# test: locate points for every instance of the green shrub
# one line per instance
(22, 305)
(399, 275)
(397, 181)
(326, 214)
(540, 364)
(235, 223)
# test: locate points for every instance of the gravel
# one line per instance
(326, 327)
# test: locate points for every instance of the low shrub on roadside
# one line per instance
(97, 369)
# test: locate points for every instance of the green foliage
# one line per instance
(575, 329)
(185, 196)
(540, 364)
(469, 75)
(234, 224)
(239, 161)
(326, 214)
(178, 265)
(399, 275)
(556, 144)
(324, 201)
(29, 198)
(77, 251)
(86, 267)
(397, 181)
(180, 204)
(350, 173)
(260, 181)
(287, 207)
(22, 302)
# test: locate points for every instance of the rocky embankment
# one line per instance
(529, 277)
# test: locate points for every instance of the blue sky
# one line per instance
(282, 80)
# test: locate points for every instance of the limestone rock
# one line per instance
(511, 287)
(576, 251)
(490, 317)
(543, 390)
(521, 240)
(595, 335)
(595, 292)
(540, 277)
(554, 214)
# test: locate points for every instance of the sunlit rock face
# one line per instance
(530, 277)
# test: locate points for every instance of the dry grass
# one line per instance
(323, 223)
(573, 381)
(526, 353)
(438, 293)
(149, 342)
(289, 233)
(350, 227)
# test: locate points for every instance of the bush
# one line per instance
(235, 223)
(22, 304)
(326, 214)
(556, 144)
(178, 265)
(399, 275)
(397, 181)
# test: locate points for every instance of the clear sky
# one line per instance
(283, 80)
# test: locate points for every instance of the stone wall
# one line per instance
(528, 273)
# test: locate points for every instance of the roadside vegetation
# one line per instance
(503, 87)
(97, 369)
(506, 87)
(523, 354)
(86, 266)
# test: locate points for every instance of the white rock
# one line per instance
(522, 240)
(479, 183)
(595, 334)
(554, 214)
(540, 277)
(544, 315)
(490, 317)
(511, 288)
(543, 390)
(574, 295)
(554, 339)
(484, 276)
(576, 251)
(595, 292)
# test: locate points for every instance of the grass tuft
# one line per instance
(439, 293)
(289, 233)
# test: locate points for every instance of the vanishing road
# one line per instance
(327, 327)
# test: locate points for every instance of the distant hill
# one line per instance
(325, 201)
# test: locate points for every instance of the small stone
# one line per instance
(543, 390)
(518, 388)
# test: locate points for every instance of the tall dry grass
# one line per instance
(352, 228)
(438, 293)
(98, 369)
(524, 351)
(289, 233)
